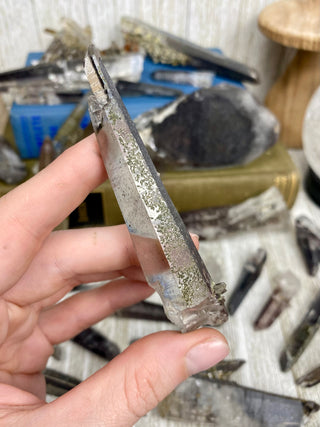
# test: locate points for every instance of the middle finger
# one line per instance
(70, 257)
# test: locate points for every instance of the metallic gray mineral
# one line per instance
(168, 257)
(214, 127)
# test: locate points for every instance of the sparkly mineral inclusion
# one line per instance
(167, 255)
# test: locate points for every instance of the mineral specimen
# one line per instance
(226, 404)
(268, 208)
(58, 383)
(12, 168)
(249, 275)
(215, 127)
(287, 284)
(167, 48)
(47, 153)
(167, 255)
(308, 238)
(126, 88)
(222, 371)
(92, 340)
(194, 78)
(310, 379)
(301, 336)
(143, 310)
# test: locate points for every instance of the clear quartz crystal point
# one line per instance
(167, 255)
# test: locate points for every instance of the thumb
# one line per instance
(139, 378)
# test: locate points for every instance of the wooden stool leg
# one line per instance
(289, 96)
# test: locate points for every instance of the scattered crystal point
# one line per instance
(143, 310)
(287, 284)
(193, 78)
(95, 342)
(268, 208)
(301, 336)
(12, 168)
(167, 255)
(47, 153)
(71, 42)
(227, 404)
(308, 238)
(58, 383)
(310, 379)
(222, 371)
(219, 126)
(126, 88)
(168, 48)
(250, 273)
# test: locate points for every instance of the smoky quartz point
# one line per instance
(287, 284)
(249, 275)
(226, 404)
(167, 255)
(308, 239)
(310, 379)
(301, 336)
(266, 209)
(94, 341)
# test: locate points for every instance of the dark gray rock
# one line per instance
(215, 127)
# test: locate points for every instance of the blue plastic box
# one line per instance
(32, 123)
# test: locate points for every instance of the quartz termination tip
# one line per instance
(167, 255)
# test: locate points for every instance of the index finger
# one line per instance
(32, 210)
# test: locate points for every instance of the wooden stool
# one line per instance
(294, 23)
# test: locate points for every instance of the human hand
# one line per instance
(38, 267)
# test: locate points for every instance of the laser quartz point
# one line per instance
(168, 257)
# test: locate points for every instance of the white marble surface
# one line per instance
(260, 349)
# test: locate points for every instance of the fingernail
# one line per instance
(195, 236)
(205, 354)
